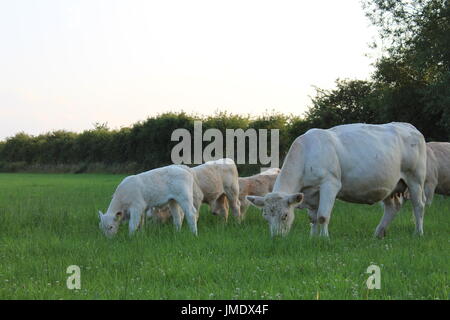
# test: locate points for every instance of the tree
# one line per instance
(411, 81)
(414, 75)
(350, 102)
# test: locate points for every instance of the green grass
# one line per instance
(48, 222)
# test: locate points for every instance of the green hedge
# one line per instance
(145, 145)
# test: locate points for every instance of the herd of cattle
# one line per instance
(358, 163)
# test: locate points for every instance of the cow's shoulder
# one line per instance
(313, 135)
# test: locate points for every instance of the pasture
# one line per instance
(49, 222)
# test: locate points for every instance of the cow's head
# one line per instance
(278, 210)
(109, 223)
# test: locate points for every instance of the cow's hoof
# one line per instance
(380, 234)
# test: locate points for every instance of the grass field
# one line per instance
(48, 222)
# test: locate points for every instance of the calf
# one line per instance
(217, 182)
(172, 185)
(218, 179)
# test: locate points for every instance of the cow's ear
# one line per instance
(100, 214)
(256, 201)
(118, 216)
(294, 199)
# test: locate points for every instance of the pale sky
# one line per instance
(67, 64)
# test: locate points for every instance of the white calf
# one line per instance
(173, 185)
(217, 179)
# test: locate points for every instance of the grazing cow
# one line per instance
(217, 182)
(256, 185)
(219, 179)
(173, 185)
(163, 213)
(438, 171)
(442, 154)
(359, 163)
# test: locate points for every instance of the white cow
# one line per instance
(173, 185)
(438, 170)
(359, 163)
(441, 152)
(218, 179)
(162, 214)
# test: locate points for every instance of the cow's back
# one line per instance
(393, 145)
(213, 176)
(162, 184)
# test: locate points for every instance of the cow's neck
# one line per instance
(115, 205)
(287, 183)
(290, 178)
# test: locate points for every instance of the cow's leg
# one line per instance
(328, 192)
(142, 221)
(225, 208)
(177, 215)
(232, 194)
(429, 192)
(417, 200)
(192, 217)
(136, 214)
(243, 207)
(190, 213)
(313, 221)
(149, 213)
(392, 205)
(152, 213)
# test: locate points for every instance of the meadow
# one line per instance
(49, 222)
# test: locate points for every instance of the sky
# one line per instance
(69, 64)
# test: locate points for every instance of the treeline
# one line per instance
(148, 144)
(411, 83)
(145, 145)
